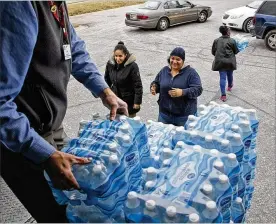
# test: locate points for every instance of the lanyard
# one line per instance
(60, 18)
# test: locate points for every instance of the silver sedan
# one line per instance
(161, 14)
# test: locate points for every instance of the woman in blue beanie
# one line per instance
(178, 86)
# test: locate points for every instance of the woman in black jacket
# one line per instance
(224, 49)
(123, 77)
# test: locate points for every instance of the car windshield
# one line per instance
(255, 4)
(152, 5)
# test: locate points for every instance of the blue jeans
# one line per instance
(177, 121)
(223, 75)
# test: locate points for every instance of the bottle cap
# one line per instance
(194, 218)
(137, 118)
(243, 116)
(126, 138)
(113, 159)
(131, 195)
(166, 162)
(207, 188)
(237, 136)
(179, 129)
(171, 211)
(235, 128)
(112, 146)
(211, 205)
(151, 172)
(194, 133)
(123, 117)
(166, 143)
(97, 169)
(239, 200)
(225, 105)
(150, 205)
(124, 128)
(202, 113)
(180, 144)
(167, 153)
(218, 164)
(191, 118)
(156, 158)
(232, 156)
(197, 148)
(245, 123)
(223, 179)
(202, 106)
(225, 142)
(149, 184)
(149, 121)
(208, 138)
(214, 152)
(192, 125)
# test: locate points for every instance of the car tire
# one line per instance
(202, 17)
(270, 40)
(247, 23)
(163, 24)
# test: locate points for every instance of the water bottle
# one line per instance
(237, 211)
(246, 136)
(241, 187)
(207, 190)
(151, 213)
(219, 166)
(237, 146)
(171, 215)
(200, 108)
(224, 146)
(132, 208)
(209, 142)
(211, 214)
(224, 192)
(233, 171)
(151, 174)
(179, 135)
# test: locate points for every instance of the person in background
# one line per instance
(39, 49)
(123, 77)
(178, 86)
(224, 49)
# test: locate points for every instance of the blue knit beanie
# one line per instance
(179, 52)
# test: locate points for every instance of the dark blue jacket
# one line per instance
(189, 81)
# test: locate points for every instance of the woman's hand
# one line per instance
(175, 92)
(136, 106)
(153, 89)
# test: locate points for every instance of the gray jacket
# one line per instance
(224, 49)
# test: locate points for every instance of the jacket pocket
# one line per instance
(34, 103)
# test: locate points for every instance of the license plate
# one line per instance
(133, 16)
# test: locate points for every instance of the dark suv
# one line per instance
(265, 24)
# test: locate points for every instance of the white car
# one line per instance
(241, 18)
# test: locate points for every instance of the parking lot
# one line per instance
(254, 80)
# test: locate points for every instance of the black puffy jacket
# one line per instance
(125, 81)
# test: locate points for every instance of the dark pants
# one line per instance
(27, 182)
(177, 121)
(223, 76)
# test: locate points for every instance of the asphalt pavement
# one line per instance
(254, 81)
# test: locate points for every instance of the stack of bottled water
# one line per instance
(200, 173)
(115, 169)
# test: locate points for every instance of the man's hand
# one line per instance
(136, 106)
(153, 89)
(58, 167)
(175, 92)
(114, 103)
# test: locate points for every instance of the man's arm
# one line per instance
(83, 69)
(18, 32)
(214, 48)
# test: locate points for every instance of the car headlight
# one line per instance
(236, 16)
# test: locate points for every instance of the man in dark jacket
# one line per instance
(224, 49)
(39, 49)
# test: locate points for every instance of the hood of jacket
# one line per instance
(128, 61)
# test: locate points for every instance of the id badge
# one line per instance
(67, 51)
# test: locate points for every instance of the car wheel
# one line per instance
(202, 17)
(270, 40)
(163, 24)
(247, 24)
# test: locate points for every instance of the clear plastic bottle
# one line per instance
(194, 218)
(151, 212)
(211, 214)
(171, 215)
(133, 209)
(238, 210)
